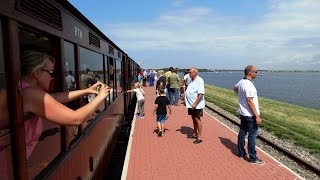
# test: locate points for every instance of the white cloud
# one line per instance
(199, 33)
(177, 3)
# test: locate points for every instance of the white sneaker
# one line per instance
(257, 161)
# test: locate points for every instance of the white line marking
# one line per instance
(128, 152)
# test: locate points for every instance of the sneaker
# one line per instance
(197, 141)
(242, 156)
(192, 137)
(159, 134)
(257, 161)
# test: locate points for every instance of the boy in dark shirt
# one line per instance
(160, 108)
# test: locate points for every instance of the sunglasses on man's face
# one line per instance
(51, 72)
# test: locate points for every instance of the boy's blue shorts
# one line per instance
(161, 118)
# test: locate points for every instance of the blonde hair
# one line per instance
(31, 60)
(136, 85)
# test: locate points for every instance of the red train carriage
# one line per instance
(58, 29)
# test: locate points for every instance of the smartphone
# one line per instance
(98, 88)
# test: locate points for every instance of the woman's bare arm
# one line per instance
(64, 97)
(45, 106)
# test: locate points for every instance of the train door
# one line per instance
(47, 147)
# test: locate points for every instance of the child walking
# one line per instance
(160, 108)
(140, 98)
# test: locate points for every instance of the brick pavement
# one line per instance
(174, 156)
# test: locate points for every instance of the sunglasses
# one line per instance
(51, 72)
(255, 72)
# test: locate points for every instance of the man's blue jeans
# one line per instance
(170, 95)
(176, 96)
(248, 125)
(174, 92)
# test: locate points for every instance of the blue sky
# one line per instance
(214, 34)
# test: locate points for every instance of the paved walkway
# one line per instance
(174, 156)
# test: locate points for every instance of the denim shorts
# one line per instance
(161, 118)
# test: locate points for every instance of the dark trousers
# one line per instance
(151, 81)
(144, 82)
(141, 107)
(174, 92)
(248, 125)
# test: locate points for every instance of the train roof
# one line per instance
(77, 14)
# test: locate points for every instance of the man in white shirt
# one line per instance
(195, 103)
(70, 81)
(145, 78)
(249, 114)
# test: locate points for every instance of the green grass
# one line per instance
(300, 125)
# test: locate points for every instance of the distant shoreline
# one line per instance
(235, 70)
(223, 70)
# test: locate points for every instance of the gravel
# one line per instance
(303, 153)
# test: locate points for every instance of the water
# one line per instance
(300, 88)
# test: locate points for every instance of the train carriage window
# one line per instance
(91, 71)
(107, 75)
(133, 76)
(134, 71)
(5, 145)
(70, 84)
(119, 78)
(4, 120)
(69, 67)
(130, 76)
(111, 70)
(42, 137)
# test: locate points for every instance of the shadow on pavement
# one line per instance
(230, 145)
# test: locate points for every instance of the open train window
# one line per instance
(69, 67)
(70, 84)
(91, 71)
(5, 145)
(4, 120)
(107, 75)
(119, 77)
(42, 137)
(111, 70)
